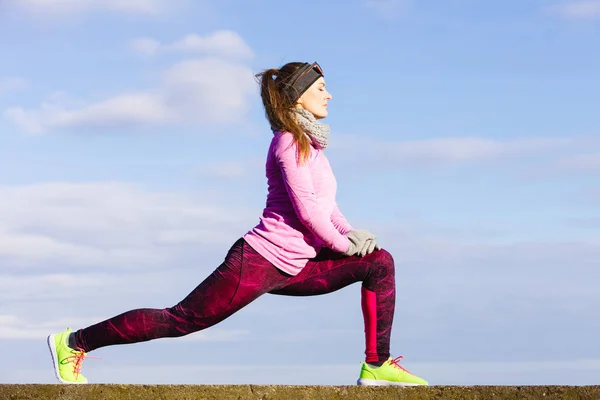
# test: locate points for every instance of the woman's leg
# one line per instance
(331, 271)
(239, 280)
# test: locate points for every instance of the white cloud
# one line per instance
(457, 150)
(209, 90)
(199, 91)
(472, 149)
(583, 9)
(56, 286)
(432, 251)
(17, 328)
(35, 248)
(217, 335)
(388, 9)
(54, 7)
(121, 110)
(581, 162)
(224, 43)
(450, 150)
(306, 335)
(13, 83)
(232, 170)
(13, 327)
(107, 225)
(145, 45)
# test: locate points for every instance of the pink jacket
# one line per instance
(301, 214)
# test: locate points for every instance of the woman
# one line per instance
(302, 246)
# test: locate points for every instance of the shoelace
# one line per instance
(77, 358)
(396, 363)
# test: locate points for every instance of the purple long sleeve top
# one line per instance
(301, 214)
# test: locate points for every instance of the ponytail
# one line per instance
(279, 110)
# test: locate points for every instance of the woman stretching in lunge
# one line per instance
(302, 246)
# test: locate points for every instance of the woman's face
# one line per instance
(315, 99)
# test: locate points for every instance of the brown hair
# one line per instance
(279, 107)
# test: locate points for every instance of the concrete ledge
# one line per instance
(273, 392)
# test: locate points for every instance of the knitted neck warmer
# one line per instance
(317, 131)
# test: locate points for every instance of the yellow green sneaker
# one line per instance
(67, 361)
(390, 373)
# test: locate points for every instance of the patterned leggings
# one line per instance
(243, 277)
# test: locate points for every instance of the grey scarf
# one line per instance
(317, 131)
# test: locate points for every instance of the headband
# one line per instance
(302, 79)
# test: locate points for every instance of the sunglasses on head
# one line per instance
(305, 70)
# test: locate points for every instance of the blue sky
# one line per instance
(464, 134)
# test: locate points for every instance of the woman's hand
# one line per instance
(362, 242)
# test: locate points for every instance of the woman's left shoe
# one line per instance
(67, 361)
(390, 373)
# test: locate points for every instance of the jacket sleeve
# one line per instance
(299, 185)
(340, 222)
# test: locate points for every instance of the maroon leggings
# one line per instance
(243, 277)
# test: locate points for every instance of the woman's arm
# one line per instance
(299, 185)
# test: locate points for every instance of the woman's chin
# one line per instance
(321, 114)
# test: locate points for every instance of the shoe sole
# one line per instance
(52, 348)
(373, 382)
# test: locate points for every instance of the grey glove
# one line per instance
(361, 241)
(368, 247)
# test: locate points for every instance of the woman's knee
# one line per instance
(384, 260)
